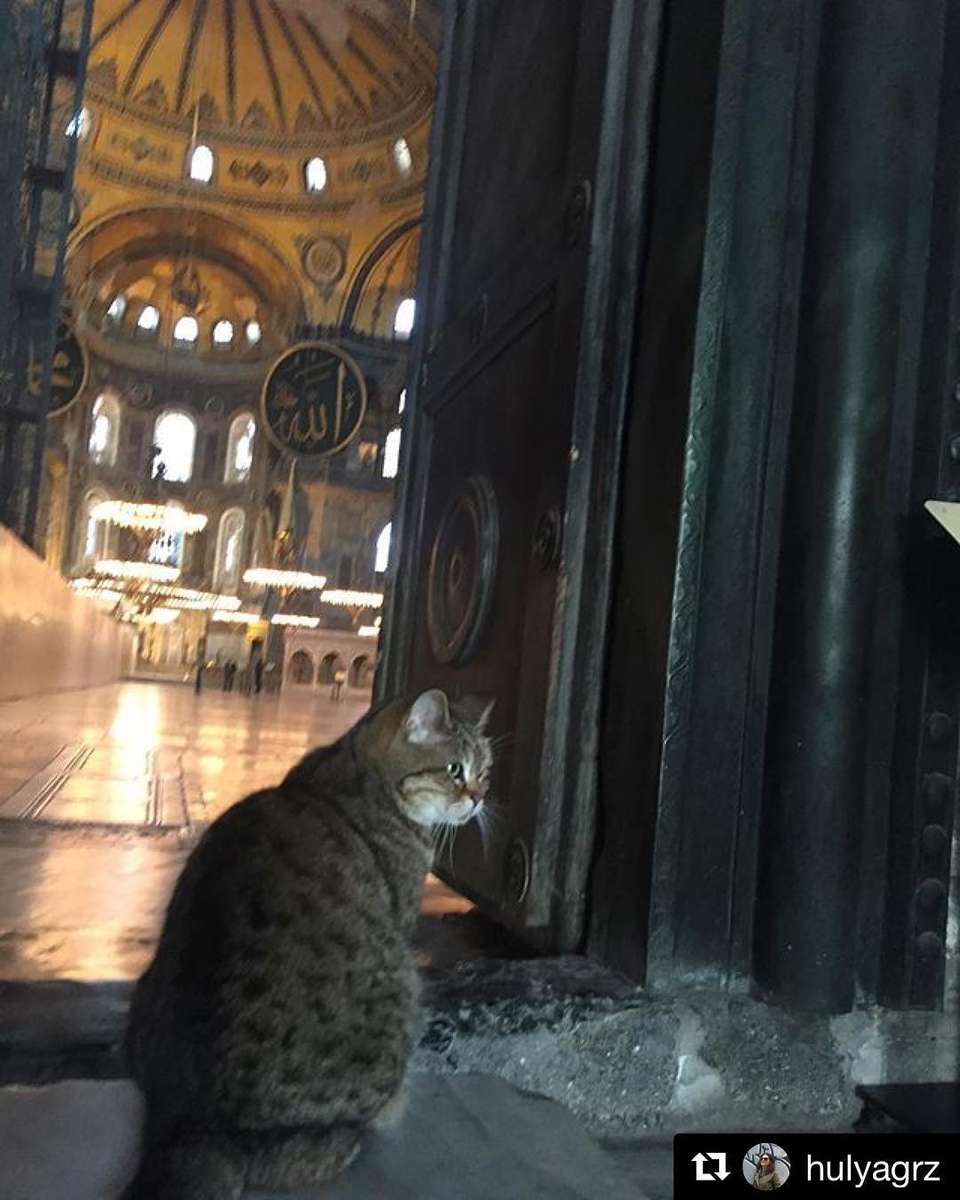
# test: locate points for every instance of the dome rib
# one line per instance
(261, 72)
(297, 52)
(148, 44)
(315, 36)
(186, 70)
(257, 18)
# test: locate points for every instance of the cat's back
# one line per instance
(281, 949)
(271, 861)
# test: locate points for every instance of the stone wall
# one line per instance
(311, 656)
(50, 638)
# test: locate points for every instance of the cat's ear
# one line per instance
(474, 710)
(428, 720)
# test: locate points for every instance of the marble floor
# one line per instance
(102, 793)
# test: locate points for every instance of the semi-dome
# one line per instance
(145, 278)
(291, 74)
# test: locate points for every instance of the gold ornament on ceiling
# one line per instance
(187, 289)
(284, 73)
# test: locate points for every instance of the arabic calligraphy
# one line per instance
(314, 399)
(68, 374)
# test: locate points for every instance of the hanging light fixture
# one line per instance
(295, 619)
(156, 616)
(277, 578)
(164, 518)
(345, 598)
(235, 618)
(158, 592)
(105, 595)
(130, 569)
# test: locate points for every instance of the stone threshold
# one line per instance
(630, 1064)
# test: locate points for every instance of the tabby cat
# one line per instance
(275, 1022)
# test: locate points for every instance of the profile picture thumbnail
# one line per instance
(766, 1166)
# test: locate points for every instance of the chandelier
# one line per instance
(132, 569)
(157, 592)
(346, 598)
(156, 616)
(162, 518)
(235, 618)
(89, 589)
(278, 578)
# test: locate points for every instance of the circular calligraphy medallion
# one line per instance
(323, 260)
(463, 571)
(69, 374)
(314, 400)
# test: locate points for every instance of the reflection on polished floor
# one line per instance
(152, 754)
(102, 794)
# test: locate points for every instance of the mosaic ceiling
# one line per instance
(266, 86)
(282, 73)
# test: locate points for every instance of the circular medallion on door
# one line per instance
(463, 571)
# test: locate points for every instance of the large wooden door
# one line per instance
(497, 577)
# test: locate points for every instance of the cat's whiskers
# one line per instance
(440, 832)
(486, 818)
(454, 830)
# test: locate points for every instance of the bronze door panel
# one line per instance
(497, 376)
(491, 427)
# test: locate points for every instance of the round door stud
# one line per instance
(547, 537)
(516, 875)
(463, 571)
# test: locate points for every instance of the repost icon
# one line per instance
(711, 1167)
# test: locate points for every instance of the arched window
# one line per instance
(79, 124)
(391, 454)
(382, 558)
(240, 449)
(226, 567)
(118, 308)
(200, 166)
(361, 672)
(186, 331)
(175, 436)
(315, 175)
(404, 317)
(253, 333)
(93, 533)
(402, 156)
(330, 664)
(149, 319)
(223, 334)
(104, 430)
(300, 668)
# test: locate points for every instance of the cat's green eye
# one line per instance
(455, 770)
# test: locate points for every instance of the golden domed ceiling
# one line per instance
(305, 74)
(265, 87)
